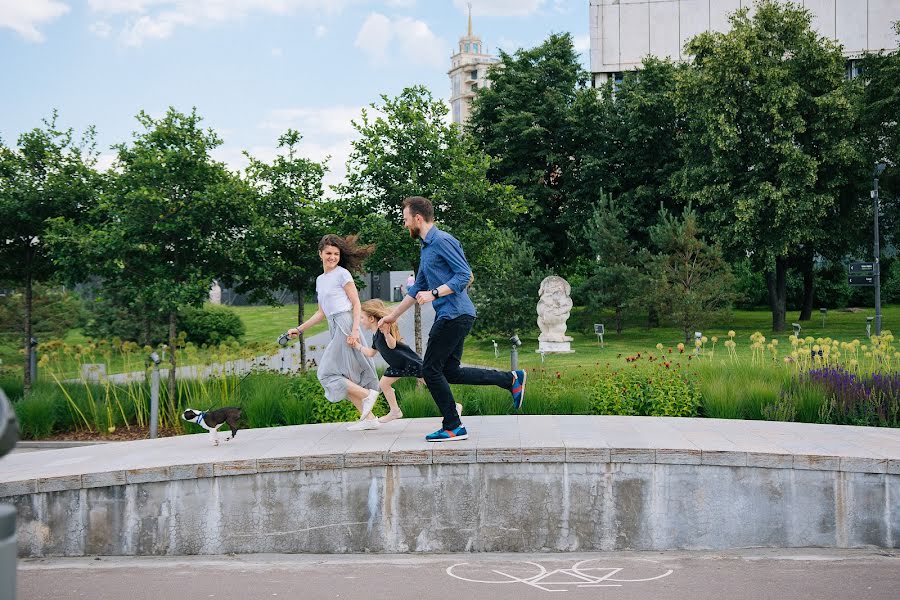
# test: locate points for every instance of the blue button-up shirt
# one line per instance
(442, 262)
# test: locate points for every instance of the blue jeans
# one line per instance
(441, 366)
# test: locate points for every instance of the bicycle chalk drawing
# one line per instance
(593, 572)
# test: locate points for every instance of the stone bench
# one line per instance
(519, 483)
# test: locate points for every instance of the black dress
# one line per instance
(401, 359)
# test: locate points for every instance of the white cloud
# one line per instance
(100, 29)
(330, 121)
(320, 31)
(141, 20)
(582, 43)
(335, 155)
(375, 35)
(105, 161)
(24, 17)
(499, 8)
(417, 43)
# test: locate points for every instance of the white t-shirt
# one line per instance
(330, 291)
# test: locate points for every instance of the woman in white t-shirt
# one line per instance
(343, 372)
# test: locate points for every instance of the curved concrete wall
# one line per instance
(510, 507)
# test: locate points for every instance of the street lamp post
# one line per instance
(879, 169)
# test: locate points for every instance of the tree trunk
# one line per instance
(172, 363)
(618, 319)
(808, 282)
(300, 318)
(26, 383)
(776, 283)
(145, 327)
(652, 317)
(418, 326)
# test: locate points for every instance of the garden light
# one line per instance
(154, 394)
(514, 352)
(797, 329)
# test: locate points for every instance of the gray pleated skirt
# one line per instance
(341, 362)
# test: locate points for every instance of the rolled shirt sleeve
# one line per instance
(456, 260)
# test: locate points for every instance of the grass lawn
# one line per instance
(636, 337)
(264, 324)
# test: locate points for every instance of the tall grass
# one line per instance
(740, 391)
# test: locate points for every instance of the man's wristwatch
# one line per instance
(435, 293)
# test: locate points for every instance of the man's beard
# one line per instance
(413, 232)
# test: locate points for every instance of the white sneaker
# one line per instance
(364, 425)
(369, 403)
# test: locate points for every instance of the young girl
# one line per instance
(401, 359)
(343, 372)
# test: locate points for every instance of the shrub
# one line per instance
(211, 324)
(658, 392)
(37, 413)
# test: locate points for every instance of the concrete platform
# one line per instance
(519, 483)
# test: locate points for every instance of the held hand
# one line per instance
(424, 297)
(387, 320)
(293, 332)
(353, 340)
(385, 329)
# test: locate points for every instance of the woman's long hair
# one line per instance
(376, 308)
(352, 255)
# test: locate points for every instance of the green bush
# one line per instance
(37, 414)
(830, 287)
(211, 324)
(657, 392)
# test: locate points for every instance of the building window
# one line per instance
(475, 48)
(474, 87)
(468, 47)
(853, 68)
(473, 74)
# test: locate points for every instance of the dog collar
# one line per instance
(199, 418)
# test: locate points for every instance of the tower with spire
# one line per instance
(468, 73)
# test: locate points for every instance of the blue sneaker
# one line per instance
(446, 435)
(518, 388)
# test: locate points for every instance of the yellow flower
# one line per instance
(659, 346)
(715, 339)
(704, 339)
(731, 333)
(680, 346)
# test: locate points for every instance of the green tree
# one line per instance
(47, 175)
(525, 120)
(168, 224)
(507, 279)
(280, 248)
(880, 130)
(767, 144)
(691, 281)
(616, 279)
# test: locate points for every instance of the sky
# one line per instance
(252, 68)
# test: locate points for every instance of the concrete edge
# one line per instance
(452, 455)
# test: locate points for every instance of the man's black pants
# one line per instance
(441, 366)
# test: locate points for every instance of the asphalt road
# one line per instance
(813, 574)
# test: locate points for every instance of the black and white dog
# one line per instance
(212, 420)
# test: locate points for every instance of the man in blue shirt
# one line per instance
(443, 277)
